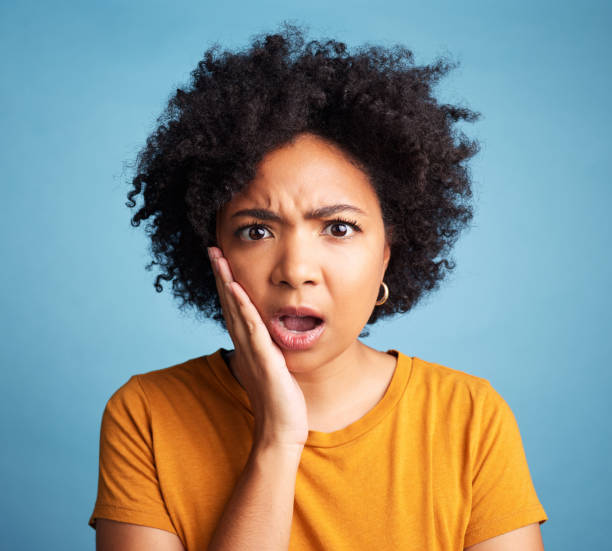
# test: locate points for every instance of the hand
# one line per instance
(278, 403)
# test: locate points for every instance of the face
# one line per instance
(333, 262)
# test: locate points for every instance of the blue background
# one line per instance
(528, 306)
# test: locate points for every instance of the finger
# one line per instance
(249, 314)
(214, 252)
(240, 328)
(242, 325)
(224, 270)
(225, 278)
(247, 322)
(218, 281)
(223, 298)
(252, 325)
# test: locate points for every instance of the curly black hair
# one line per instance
(375, 104)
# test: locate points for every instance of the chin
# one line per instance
(304, 361)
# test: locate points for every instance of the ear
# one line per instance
(386, 257)
(387, 249)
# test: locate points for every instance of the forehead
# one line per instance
(306, 174)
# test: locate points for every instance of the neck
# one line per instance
(344, 387)
(340, 376)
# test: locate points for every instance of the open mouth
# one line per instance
(299, 324)
(296, 333)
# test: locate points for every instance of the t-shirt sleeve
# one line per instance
(128, 486)
(503, 495)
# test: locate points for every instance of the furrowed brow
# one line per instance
(323, 212)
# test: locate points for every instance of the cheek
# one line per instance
(245, 271)
(252, 275)
(356, 275)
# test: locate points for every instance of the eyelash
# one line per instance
(351, 223)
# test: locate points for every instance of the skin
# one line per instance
(328, 266)
(301, 262)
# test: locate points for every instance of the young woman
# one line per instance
(327, 189)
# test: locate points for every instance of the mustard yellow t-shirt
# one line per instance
(437, 464)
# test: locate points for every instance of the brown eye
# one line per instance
(256, 232)
(253, 232)
(339, 230)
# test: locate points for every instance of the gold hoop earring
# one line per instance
(385, 296)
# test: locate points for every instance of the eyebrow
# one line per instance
(323, 212)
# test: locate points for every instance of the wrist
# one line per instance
(266, 448)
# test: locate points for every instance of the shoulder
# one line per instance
(453, 396)
(432, 376)
(179, 374)
(174, 382)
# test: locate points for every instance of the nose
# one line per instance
(297, 262)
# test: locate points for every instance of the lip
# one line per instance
(298, 311)
(294, 340)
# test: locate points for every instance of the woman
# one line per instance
(327, 189)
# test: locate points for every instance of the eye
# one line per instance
(340, 228)
(253, 232)
(343, 228)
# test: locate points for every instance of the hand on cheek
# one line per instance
(278, 402)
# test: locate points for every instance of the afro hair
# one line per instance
(374, 103)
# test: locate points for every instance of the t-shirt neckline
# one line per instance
(385, 405)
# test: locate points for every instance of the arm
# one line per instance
(130, 513)
(504, 500)
(112, 535)
(527, 538)
(259, 512)
(257, 516)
